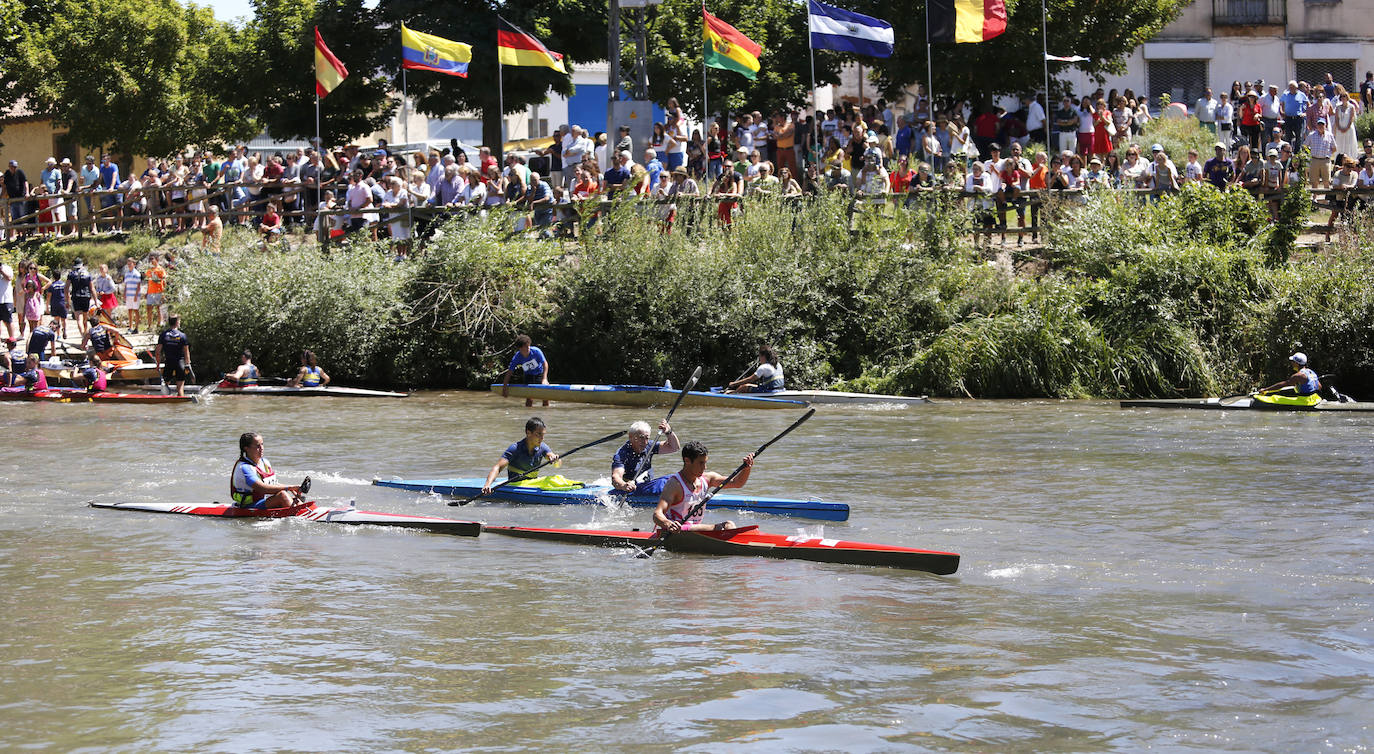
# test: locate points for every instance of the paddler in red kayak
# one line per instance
(523, 456)
(1303, 381)
(688, 487)
(91, 376)
(253, 483)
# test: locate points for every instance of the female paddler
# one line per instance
(766, 378)
(253, 483)
(310, 374)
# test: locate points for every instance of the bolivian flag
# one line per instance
(426, 52)
(966, 20)
(515, 47)
(723, 46)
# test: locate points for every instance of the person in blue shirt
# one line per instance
(173, 354)
(1293, 107)
(618, 175)
(1303, 381)
(43, 339)
(632, 465)
(524, 456)
(652, 166)
(527, 367)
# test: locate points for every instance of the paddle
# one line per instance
(691, 382)
(701, 505)
(1228, 400)
(526, 475)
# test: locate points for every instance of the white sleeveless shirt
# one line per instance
(690, 497)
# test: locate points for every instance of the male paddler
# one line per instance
(101, 342)
(247, 373)
(523, 456)
(253, 483)
(173, 354)
(527, 367)
(91, 376)
(1303, 381)
(626, 461)
(688, 487)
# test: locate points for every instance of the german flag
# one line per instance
(966, 20)
(515, 47)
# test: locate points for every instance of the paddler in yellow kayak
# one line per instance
(523, 456)
(253, 483)
(626, 474)
(688, 487)
(1303, 381)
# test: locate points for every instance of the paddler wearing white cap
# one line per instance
(1303, 381)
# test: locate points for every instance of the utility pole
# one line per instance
(613, 61)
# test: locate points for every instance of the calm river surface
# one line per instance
(1177, 581)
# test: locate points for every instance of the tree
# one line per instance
(778, 26)
(561, 25)
(279, 58)
(145, 77)
(1105, 31)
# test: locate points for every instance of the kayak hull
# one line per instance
(306, 392)
(642, 396)
(750, 542)
(596, 495)
(135, 372)
(310, 512)
(1245, 404)
(63, 395)
(836, 397)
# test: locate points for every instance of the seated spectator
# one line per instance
(271, 226)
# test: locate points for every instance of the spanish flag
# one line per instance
(723, 46)
(515, 47)
(329, 72)
(966, 20)
(426, 52)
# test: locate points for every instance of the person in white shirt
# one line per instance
(1226, 118)
(397, 198)
(1085, 126)
(1192, 172)
(1206, 110)
(1323, 146)
(1035, 119)
(1269, 109)
(981, 203)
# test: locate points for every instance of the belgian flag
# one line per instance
(966, 20)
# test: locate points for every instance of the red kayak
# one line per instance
(69, 395)
(749, 541)
(310, 512)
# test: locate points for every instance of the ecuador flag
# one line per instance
(966, 20)
(329, 72)
(723, 46)
(515, 47)
(426, 52)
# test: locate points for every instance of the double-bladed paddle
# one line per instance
(527, 474)
(691, 383)
(701, 505)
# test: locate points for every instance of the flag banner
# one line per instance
(426, 52)
(1065, 58)
(329, 72)
(837, 29)
(966, 20)
(723, 46)
(515, 47)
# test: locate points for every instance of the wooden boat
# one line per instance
(749, 541)
(643, 396)
(310, 512)
(596, 495)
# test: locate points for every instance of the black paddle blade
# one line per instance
(305, 485)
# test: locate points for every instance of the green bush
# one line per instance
(1364, 126)
(1177, 136)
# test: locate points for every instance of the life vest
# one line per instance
(690, 497)
(249, 379)
(100, 339)
(244, 498)
(1310, 383)
(313, 377)
(95, 379)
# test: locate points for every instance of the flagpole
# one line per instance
(501, 113)
(405, 100)
(1045, 60)
(705, 107)
(319, 142)
(815, 101)
(930, 72)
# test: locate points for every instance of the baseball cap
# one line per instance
(1321, 121)
(14, 163)
(66, 160)
(1220, 145)
(1095, 161)
(379, 153)
(1272, 152)
(1299, 358)
(90, 158)
(1156, 148)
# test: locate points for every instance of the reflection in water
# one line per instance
(1129, 578)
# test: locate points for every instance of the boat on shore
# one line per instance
(597, 494)
(135, 371)
(1248, 403)
(748, 540)
(310, 512)
(327, 391)
(643, 396)
(74, 395)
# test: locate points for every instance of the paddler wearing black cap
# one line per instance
(688, 487)
(1303, 381)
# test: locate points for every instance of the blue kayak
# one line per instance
(594, 495)
(642, 396)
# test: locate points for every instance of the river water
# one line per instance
(1131, 579)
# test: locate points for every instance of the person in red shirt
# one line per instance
(271, 229)
(898, 180)
(1014, 172)
(985, 129)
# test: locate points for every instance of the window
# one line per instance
(1249, 12)
(1182, 80)
(538, 129)
(1342, 71)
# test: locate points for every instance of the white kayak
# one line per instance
(327, 391)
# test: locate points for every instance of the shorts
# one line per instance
(255, 505)
(131, 302)
(519, 377)
(7, 311)
(153, 300)
(653, 486)
(58, 308)
(81, 304)
(173, 371)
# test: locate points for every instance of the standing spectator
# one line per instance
(173, 354)
(1343, 203)
(677, 136)
(17, 191)
(1035, 119)
(359, 198)
(1319, 109)
(1218, 170)
(1329, 88)
(51, 179)
(213, 232)
(930, 147)
(1206, 110)
(1270, 110)
(1248, 173)
(109, 182)
(157, 284)
(1122, 117)
(1103, 129)
(7, 299)
(1163, 175)
(984, 128)
(652, 165)
(541, 202)
(1343, 126)
(905, 141)
(1065, 126)
(1275, 140)
(785, 136)
(59, 304)
(90, 176)
(1225, 116)
(1275, 177)
(133, 286)
(1086, 142)
(1367, 91)
(79, 291)
(981, 202)
(1192, 170)
(1293, 108)
(1323, 147)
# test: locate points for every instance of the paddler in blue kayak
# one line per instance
(688, 487)
(527, 367)
(523, 456)
(766, 377)
(1303, 381)
(626, 472)
(253, 483)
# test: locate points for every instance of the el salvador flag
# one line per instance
(836, 29)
